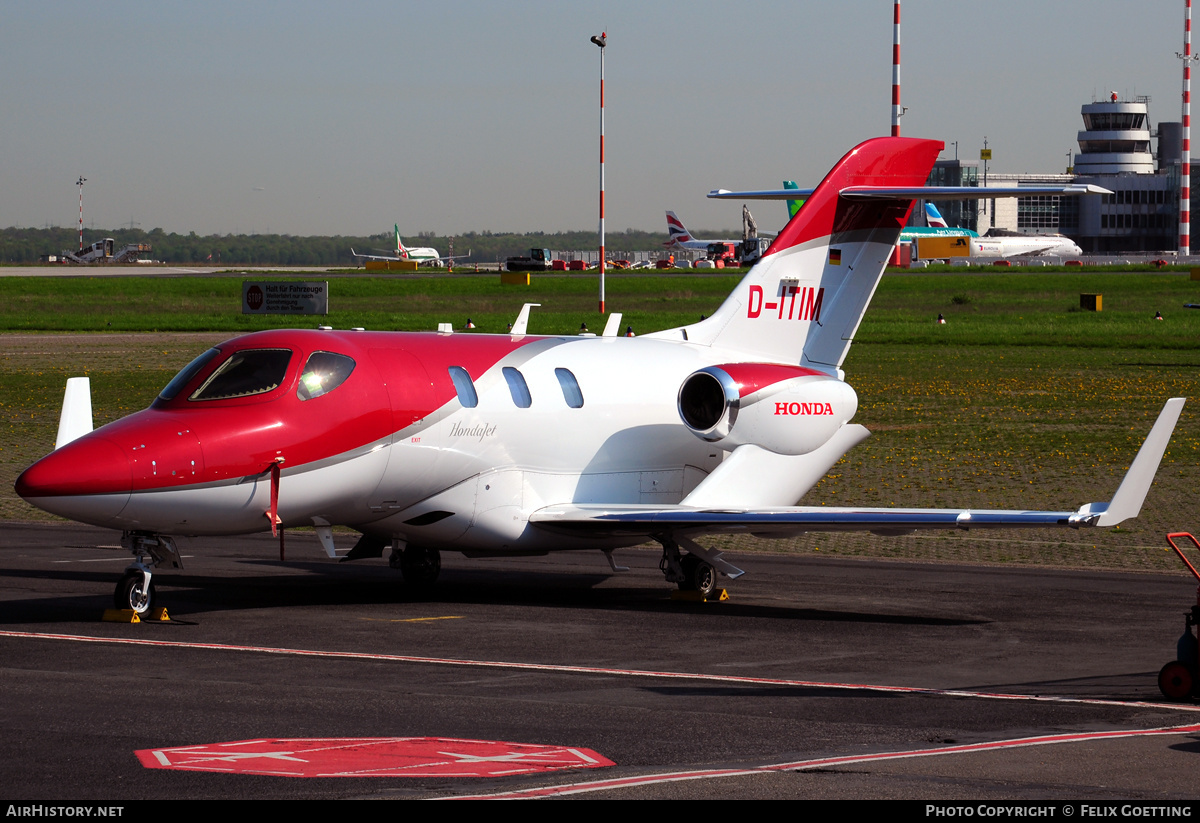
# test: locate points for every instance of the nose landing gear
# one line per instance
(135, 590)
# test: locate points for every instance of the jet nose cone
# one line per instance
(88, 480)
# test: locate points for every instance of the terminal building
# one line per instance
(1141, 216)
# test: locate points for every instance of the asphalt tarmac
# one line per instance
(818, 678)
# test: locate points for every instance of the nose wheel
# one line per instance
(135, 591)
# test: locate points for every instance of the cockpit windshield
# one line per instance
(245, 373)
(186, 374)
(323, 373)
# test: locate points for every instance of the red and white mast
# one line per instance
(1185, 176)
(601, 41)
(80, 183)
(896, 110)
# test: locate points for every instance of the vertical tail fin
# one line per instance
(793, 205)
(75, 420)
(803, 301)
(401, 252)
(934, 217)
(676, 233)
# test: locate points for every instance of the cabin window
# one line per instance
(464, 386)
(246, 373)
(186, 374)
(570, 388)
(517, 387)
(323, 373)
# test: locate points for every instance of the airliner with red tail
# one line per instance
(519, 444)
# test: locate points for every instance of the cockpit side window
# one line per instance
(186, 374)
(246, 373)
(323, 373)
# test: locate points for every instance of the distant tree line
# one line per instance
(31, 245)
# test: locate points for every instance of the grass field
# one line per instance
(983, 309)
(1020, 400)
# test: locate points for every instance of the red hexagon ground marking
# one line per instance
(372, 757)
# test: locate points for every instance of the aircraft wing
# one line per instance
(761, 194)
(1038, 250)
(445, 258)
(923, 192)
(601, 520)
(605, 521)
(392, 257)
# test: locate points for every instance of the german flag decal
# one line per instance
(835, 257)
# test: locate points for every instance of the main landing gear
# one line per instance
(135, 590)
(692, 572)
(420, 565)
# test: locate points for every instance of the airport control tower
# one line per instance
(1115, 139)
(1142, 213)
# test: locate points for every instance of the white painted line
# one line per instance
(819, 763)
(95, 560)
(562, 669)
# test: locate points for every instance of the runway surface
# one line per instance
(820, 678)
(148, 270)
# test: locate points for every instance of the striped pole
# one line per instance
(80, 183)
(1185, 177)
(896, 69)
(601, 41)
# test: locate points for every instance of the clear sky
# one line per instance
(323, 118)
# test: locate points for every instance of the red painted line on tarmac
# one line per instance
(824, 762)
(563, 669)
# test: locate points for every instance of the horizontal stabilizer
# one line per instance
(922, 192)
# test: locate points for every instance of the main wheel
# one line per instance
(1175, 681)
(699, 575)
(131, 594)
(420, 566)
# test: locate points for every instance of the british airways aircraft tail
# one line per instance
(677, 233)
(803, 301)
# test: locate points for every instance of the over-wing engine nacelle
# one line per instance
(784, 409)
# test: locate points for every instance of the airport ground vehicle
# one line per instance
(537, 260)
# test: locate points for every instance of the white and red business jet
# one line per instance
(517, 444)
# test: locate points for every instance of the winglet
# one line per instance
(1127, 502)
(522, 322)
(613, 327)
(76, 418)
